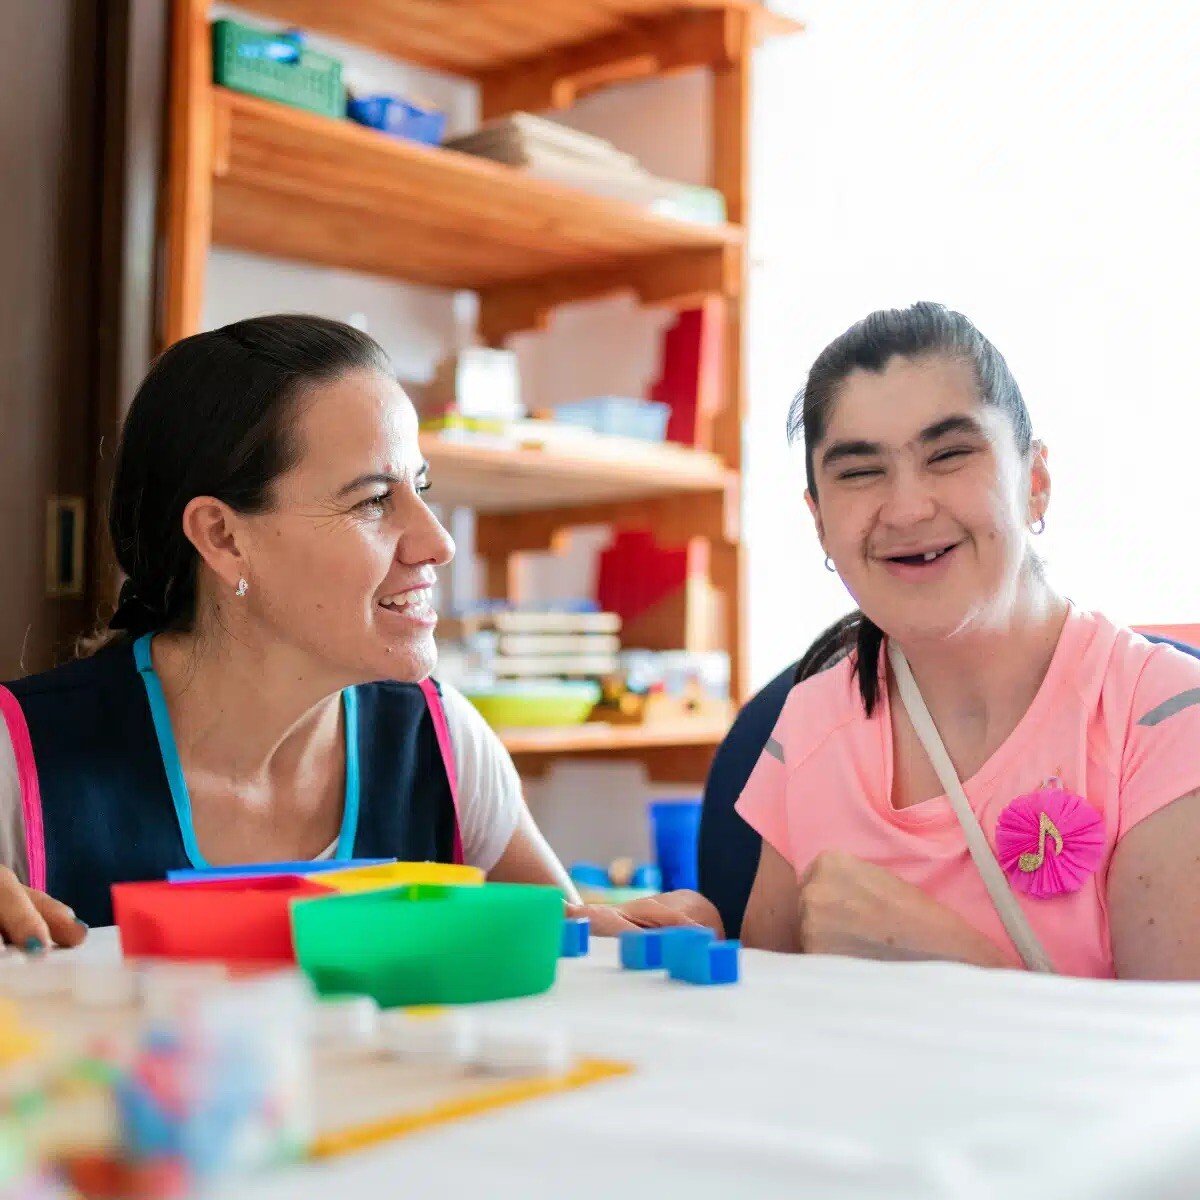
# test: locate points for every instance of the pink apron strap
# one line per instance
(31, 794)
(438, 712)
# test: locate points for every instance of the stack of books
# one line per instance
(540, 645)
(558, 154)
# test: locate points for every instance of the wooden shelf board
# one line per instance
(499, 480)
(291, 184)
(597, 738)
(472, 39)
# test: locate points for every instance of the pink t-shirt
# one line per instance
(1117, 719)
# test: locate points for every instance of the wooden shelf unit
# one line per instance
(246, 173)
(495, 479)
(670, 752)
(487, 36)
(291, 184)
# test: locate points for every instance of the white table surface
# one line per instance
(826, 1078)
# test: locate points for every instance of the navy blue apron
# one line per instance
(104, 799)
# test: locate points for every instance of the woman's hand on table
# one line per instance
(653, 912)
(34, 921)
(854, 908)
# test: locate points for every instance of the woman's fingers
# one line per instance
(20, 920)
(653, 912)
(65, 928)
(34, 921)
(606, 921)
(698, 909)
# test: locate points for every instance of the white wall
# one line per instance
(1034, 164)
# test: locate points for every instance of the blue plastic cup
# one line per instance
(675, 832)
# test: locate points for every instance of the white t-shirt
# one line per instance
(489, 790)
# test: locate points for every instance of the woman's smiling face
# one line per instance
(922, 498)
(343, 563)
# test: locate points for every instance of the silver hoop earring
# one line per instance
(242, 588)
(1039, 526)
(829, 564)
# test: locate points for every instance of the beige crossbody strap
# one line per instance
(1011, 913)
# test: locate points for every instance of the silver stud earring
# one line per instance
(829, 564)
(242, 588)
(1039, 526)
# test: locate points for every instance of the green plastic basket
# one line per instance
(431, 944)
(242, 61)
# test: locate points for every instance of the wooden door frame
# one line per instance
(133, 45)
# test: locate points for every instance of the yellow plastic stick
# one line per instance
(487, 1098)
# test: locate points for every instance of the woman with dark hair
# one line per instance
(989, 774)
(263, 690)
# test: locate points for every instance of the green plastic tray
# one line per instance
(314, 82)
(430, 944)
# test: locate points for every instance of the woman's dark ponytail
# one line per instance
(853, 635)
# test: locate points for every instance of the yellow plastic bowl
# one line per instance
(507, 706)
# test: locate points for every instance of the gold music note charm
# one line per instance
(1030, 862)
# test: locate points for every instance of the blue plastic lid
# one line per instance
(250, 870)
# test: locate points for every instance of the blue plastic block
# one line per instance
(707, 963)
(575, 937)
(642, 950)
(683, 941)
(647, 876)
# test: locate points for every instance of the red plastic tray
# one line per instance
(234, 920)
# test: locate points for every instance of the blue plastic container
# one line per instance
(675, 832)
(592, 875)
(399, 118)
(645, 420)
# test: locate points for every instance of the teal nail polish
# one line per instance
(82, 923)
(34, 945)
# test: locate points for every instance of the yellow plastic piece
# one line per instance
(485, 1099)
(17, 1040)
(390, 875)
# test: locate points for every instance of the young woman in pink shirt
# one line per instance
(991, 775)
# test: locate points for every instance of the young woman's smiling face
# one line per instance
(923, 499)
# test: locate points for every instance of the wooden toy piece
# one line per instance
(470, 1100)
(620, 872)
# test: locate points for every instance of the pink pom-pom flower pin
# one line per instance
(1049, 842)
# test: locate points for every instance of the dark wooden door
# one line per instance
(80, 113)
